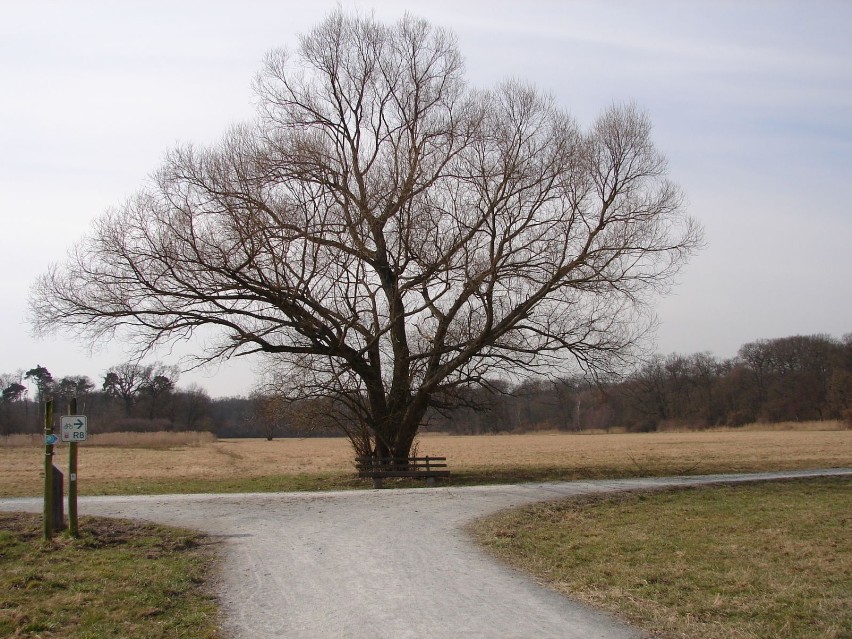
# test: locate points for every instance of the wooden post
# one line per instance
(73, 530)
(48, 471)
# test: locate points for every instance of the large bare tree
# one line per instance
(389, 233)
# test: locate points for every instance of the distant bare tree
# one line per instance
(795, 374)
(270, 411)
(129, 381)
(389, 233)
(195, 407)
(74, 386)
(125, 382)
(159, 387)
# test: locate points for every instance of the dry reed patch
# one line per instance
(20, 440)
(161, 439)
(570, 455)
(829, 424)
(677, 427)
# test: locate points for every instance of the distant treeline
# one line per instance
(799, 378)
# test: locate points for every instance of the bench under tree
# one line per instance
(378, 468)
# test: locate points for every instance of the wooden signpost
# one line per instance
(49, 441)
(74, 429)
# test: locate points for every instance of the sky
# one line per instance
(751, 103)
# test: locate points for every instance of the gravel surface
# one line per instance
(379, 563)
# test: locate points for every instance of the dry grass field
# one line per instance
(222, 464)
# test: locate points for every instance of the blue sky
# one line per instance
(751, 102)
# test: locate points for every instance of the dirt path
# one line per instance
(391, 563)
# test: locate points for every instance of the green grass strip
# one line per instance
(763, 560)
(120, 579)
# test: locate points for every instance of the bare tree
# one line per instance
(388, 233)
(195, 406)
(125, 382)
(270, 411)
(129, 382)
(159, 388)
(74, 386)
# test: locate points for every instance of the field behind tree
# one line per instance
(160, 464)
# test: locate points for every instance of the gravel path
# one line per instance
(390, 563)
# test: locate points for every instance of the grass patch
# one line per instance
(120, 579)
(761, 560)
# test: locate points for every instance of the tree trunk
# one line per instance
(395, 432)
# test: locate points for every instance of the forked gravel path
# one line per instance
(389, 563)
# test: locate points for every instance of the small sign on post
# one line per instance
(74, 428)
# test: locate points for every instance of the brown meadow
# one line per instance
(135, 464)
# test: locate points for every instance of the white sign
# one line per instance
(74, 428)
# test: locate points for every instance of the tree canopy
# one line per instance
(389, 233)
